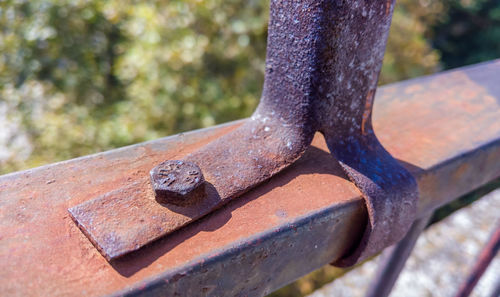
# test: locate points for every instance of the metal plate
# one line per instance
(126, 219)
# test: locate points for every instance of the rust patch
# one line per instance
(367, 114)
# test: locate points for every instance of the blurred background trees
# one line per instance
(469, 32)
(78, 77)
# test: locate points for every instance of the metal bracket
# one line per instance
(322, 66)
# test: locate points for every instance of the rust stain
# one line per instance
(367, 113)
(388, 6)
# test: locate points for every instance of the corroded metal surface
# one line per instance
(322, 66)
(178, 182)
(125, 219)
(444, 129)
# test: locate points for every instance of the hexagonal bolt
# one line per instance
(178, 182)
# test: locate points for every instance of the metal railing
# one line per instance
(443, 131)
(300, 220)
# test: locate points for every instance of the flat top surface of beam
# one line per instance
(444, 128)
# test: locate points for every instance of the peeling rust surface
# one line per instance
(443, 128)
(322, 66)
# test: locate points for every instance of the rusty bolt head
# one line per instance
(178, 182)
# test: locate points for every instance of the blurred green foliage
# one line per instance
(77, 77)
(468, 33)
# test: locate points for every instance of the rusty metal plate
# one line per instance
(126, 219)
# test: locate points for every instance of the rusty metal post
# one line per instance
(485, 257)
(393, 260)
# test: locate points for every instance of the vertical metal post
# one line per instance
(394, 259)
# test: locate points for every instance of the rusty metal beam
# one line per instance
(444, 129)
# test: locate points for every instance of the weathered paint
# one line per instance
(444, 129)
